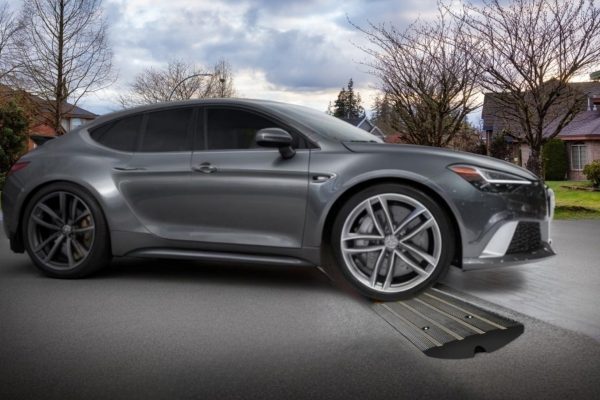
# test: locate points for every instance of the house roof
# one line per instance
(71, 110)
(78, 112)
(354, 120)
(492, 110)
(585, 125)
(365, 124)
(489, 112)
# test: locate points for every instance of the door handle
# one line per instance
(129, 168)
(205, 168)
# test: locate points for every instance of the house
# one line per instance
(41, 131)
(40, 111)
(581, 136)
(365, 123)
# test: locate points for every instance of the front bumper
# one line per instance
(517, 241)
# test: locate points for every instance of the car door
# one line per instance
(246, 195)
(156, 180)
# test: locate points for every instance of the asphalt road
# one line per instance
(163, 329)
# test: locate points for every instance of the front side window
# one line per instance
(578, 156)
(167, 131)
(119, 135)
(232, 129)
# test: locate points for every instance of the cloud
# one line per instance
(301, 47)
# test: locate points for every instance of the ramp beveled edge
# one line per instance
(433, 328)
(471, 345)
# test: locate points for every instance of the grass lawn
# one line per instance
(575, 204)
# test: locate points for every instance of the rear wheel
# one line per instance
(392, 240)
(65, 233)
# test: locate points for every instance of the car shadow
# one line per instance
(502, 280)
(130, 268)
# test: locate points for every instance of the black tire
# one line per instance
(443, 222)
(99, 253)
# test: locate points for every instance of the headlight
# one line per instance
(489, 180)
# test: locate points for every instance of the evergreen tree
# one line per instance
(384, 115)
(13, 136)
(348, 103)
(555, 162)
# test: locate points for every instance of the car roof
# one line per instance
(252, 103)
(264, 106)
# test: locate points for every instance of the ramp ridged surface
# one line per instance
(444, 326)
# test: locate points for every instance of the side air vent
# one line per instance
(527, 238)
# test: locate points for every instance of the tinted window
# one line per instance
(236, 129)
(167, 131)
(119, 135)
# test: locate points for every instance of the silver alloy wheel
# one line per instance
(61, 230)
(391, 243)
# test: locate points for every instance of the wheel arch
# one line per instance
(18, 244)
(333, 211)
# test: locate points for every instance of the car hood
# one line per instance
(453, 156)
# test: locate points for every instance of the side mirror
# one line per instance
(276, 137)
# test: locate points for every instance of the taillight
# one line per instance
(19, 165)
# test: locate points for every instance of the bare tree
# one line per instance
(427, 75)
(528, 51)
(64, 52)
(9, 26)
(224, 80)
(180, 80)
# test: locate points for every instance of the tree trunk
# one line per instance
(534, 163)
(59, 88)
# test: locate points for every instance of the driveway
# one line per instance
(563, 290)
(163, 329)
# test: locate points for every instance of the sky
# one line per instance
(297, 51)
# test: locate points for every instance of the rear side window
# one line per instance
(229, 129)
(168, 131)
(119, 135)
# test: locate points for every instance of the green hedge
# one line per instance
(592, 172)
(555, 160)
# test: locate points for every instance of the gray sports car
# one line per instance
(263, 182)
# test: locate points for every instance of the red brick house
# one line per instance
(74, 117)
(40, 111)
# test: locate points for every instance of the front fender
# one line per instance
(334, 192)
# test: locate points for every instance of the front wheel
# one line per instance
(65, 233)
(392, 240)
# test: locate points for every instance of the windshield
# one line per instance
(326, 125)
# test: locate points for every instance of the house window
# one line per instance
(578, 156)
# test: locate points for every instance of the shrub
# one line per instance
(499, 148)
(555, 163)
(13, 136)
(592, 172)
